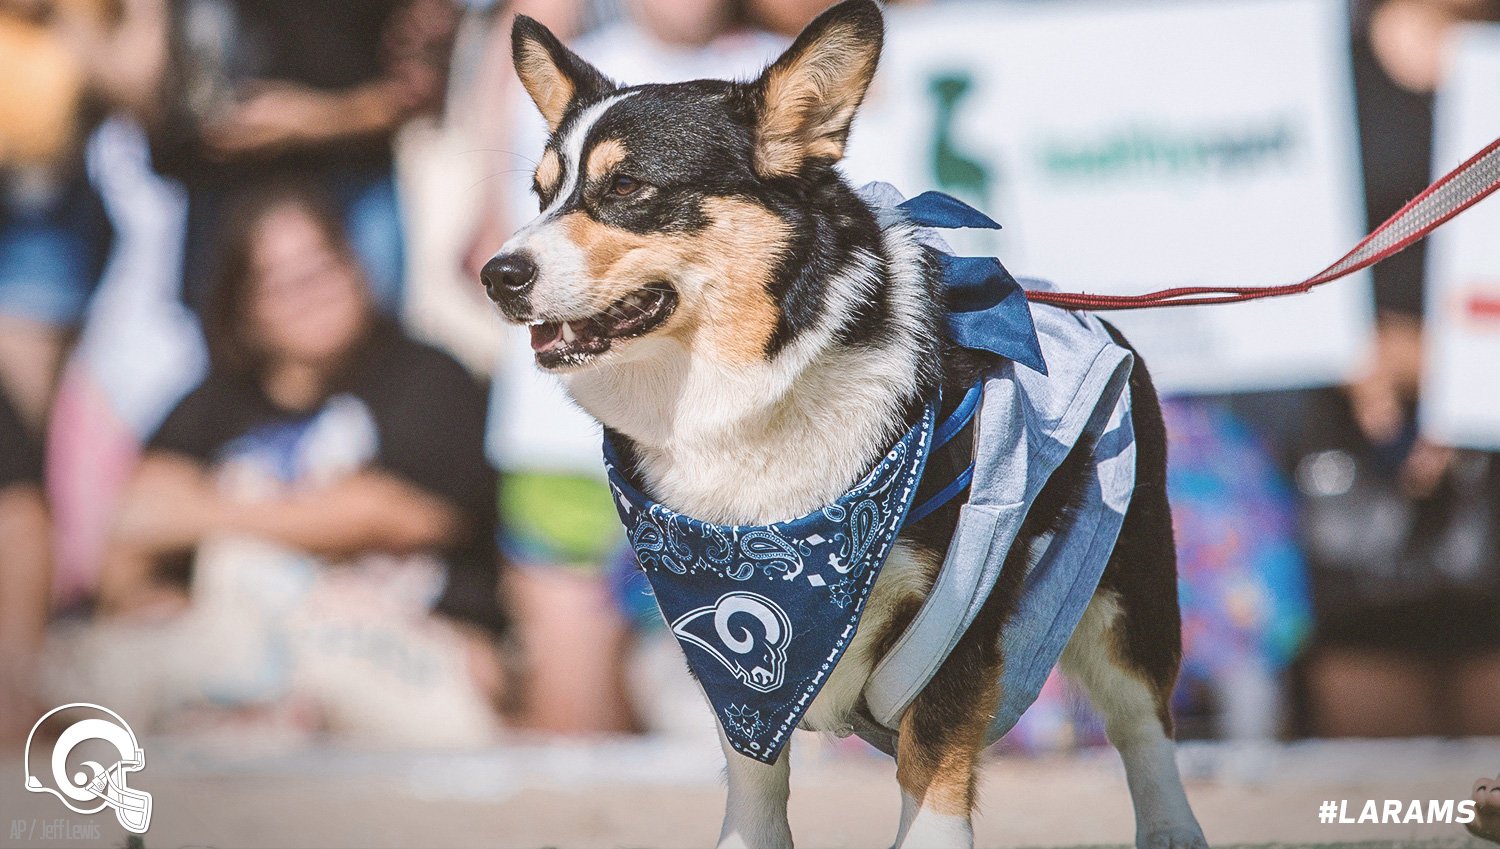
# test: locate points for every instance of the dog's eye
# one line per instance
(623, 185)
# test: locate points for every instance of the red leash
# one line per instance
(1460, 189)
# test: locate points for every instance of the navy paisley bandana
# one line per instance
(764, 612)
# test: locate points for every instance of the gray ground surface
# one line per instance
(650, 794)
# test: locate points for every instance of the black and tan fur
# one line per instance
(710, 288)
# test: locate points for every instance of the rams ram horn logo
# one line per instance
(746, 632)
(66, 756)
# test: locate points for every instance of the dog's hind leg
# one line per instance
(942, 735)
(755, 809)
(1134, 706)
(1127, 649)
(936, 758)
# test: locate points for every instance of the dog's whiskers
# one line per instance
(612, 309)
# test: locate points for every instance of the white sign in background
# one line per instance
(1461, 386)
(1134, 146)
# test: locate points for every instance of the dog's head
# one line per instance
(679, 211)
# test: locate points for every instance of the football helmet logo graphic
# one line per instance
(85, 766)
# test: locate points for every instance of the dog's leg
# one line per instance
(937, 779)
(1127, 649)
(942, 734)
(1134, 703)
(755, 809)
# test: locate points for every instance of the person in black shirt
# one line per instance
(25, 570)
(321, 428)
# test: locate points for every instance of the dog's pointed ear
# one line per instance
(807, 99)
(553, 75)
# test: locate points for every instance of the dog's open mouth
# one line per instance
(560, 344)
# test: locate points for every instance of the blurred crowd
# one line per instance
(268, 459)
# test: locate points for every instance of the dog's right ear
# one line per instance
(552, 74)
(807, 99)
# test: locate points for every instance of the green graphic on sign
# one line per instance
(1146, 151)
(959, 173)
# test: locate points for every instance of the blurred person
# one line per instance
(323, 492)
(559, 526)
(446, 164)
(312, 89)
(787, 17)
(1404, 535)
(1399, 65)
(245, 93)
(137, 355)
(25, 571)
(1242, 578)
(63, 64)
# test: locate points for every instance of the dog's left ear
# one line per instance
(553, 75)
(807, 99)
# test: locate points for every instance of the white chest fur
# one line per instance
(740, 449)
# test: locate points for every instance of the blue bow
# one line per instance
(987, 308)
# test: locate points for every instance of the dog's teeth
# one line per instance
(567, 332)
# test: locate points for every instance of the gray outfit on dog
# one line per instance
(1027, 424)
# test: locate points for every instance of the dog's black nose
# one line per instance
(508, 274)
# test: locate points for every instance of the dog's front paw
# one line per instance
(1172, 838)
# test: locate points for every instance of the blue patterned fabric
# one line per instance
(763, 613)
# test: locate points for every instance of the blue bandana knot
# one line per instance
(987, 308)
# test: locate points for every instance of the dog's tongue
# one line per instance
(545, 336)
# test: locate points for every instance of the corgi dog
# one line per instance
(706, 284)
